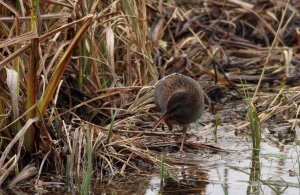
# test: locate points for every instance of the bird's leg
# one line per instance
(170, 126)
(184, 129)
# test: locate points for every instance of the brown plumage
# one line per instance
(181, 101)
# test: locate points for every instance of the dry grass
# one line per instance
(94, 61)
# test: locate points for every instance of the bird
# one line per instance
(181, 101)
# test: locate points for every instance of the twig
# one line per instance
(269, 54)
(148, 132)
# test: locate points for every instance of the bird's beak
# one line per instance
(160, 120)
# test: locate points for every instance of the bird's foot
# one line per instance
(197, 135)
(180, 154)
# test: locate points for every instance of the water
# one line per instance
(231, 174)
(275, 167)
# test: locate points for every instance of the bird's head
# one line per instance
(177, 108)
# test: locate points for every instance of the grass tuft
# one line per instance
(86, 183)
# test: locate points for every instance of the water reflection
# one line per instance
(154, 186)
(225, 185)
(254, 177)
(239, 173)
(192, 180)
